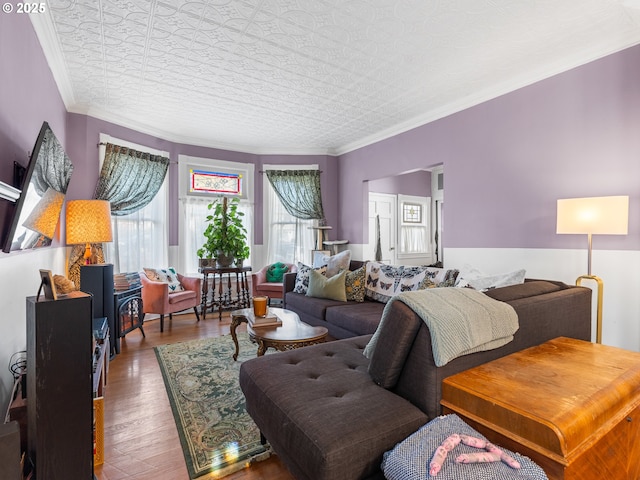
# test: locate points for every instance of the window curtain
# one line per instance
(130, 179)
(413, 239)
(299, 192)
(53, 168)
(289, 239)
(195, 215)
(140, 239)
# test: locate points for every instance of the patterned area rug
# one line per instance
(218, 436)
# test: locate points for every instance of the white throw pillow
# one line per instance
(165, 275)
(335, 263)
(474, 278)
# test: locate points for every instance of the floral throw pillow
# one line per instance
(302, 277)
(165, 275)
(355, 284)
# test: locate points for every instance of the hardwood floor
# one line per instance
(141, 439)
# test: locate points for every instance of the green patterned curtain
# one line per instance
(130, 179)
(299, 192)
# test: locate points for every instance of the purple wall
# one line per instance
(414, 183)
(28, 96)
(508, 160)
(84, 136)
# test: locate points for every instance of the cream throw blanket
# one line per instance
(460, 320)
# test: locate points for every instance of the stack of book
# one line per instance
(270, 320)
(126, 281)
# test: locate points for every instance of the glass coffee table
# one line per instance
(293, 333)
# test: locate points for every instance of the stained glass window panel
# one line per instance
(215, 182)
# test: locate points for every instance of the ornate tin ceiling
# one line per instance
(312, 76)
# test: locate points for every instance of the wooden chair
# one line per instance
(157, 299)
(260, 286)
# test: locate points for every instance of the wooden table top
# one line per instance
(292, 329)
(555, 395)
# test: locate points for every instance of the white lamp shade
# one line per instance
(595, 215)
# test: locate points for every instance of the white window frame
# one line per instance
(188, 257)
(425, 205)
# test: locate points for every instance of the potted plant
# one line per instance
(226, 237)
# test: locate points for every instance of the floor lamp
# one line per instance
(593, 215)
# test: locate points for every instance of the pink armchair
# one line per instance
(157, 299)
(260, 286)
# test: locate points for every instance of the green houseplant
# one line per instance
(225, 235)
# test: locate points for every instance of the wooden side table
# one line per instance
(572, 406)
(223, 296)
(293, 333)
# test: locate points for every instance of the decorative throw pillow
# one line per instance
(335, 263)
(322, 287)
(302, 277)
(165, 275)
(411, 278)
(355, 284)
(151, 274)
(438, 277)
(381, 281)
(276, 271)
(474, 278)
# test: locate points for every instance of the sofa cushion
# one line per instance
(269, 287)
(181, 296)
(323, 287)
(302, 410)
(314, 307)
(359, 318)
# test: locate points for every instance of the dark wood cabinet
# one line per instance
(60, 387)
(98, 281)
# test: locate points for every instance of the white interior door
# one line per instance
(384, 206)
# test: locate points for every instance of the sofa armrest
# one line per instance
(155, 295)
(259, 277)
(192, 283)
(288, 282)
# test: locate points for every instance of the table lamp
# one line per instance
(593, 215)
(88, 221)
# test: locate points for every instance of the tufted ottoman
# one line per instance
(323, 414)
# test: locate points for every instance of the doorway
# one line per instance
(382, 210)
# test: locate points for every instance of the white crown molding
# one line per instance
(496, 91)
(45, 31)
(194, 141)
(329, 93)
(470, 101)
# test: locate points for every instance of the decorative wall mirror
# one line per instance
(37, 211)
